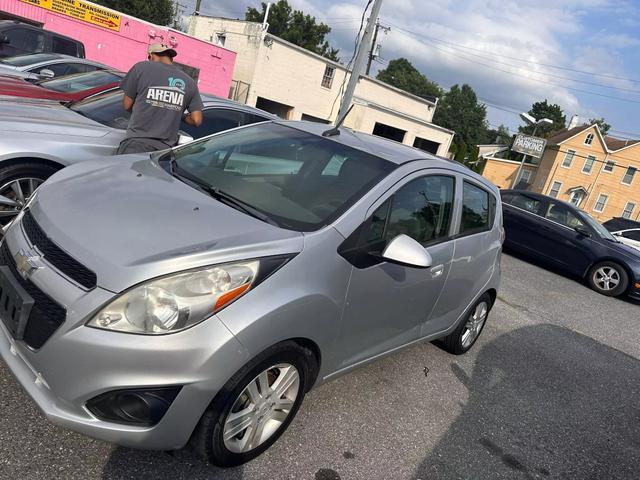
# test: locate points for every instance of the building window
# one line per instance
(555, 189)
(387, 131)
(601, 203)
(609, 166)
(588, 164)
(628, 177)
(525, 176)
(589, 139)
(576, 197)
(568, 158)
(222, 39)
(327, 78)
(628, 210)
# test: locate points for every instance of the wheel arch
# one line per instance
(493, 294)
(9, 162)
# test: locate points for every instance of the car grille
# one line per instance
(46, 315)
(55, 255)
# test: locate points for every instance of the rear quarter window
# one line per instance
(478, 209)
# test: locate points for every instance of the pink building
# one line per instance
(122, 43)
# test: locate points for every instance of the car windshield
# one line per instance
(106, 109)
(298, 180)
(80, 81)
(597, 226)
(25, 60)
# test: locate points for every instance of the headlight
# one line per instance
(176, 302)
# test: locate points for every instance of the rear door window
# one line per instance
(560, 213)
(478, 209)
(214, 120)
(33, 41)
(63, 45)
(632, 235)
(525, 202)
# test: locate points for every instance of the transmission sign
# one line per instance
(84, 11)
(529, 145)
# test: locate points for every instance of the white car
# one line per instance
(629, 237)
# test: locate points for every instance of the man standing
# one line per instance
(157, 93)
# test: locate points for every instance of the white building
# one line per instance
(296, 84)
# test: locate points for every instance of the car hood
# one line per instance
(20, 88)
(45, 116)
(128, 220)
(10, 70)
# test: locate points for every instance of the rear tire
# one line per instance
(213, 438)
(608, 278)
(465, 335)
(17, 184)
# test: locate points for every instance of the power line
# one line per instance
(559, 67)
(562, 77)
(580, 90)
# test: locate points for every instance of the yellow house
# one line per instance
(597, 173)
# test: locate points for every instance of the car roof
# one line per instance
(390, 150)
(542, 197)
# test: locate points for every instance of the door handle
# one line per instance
(437, 271)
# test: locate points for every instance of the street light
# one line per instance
(529, 120)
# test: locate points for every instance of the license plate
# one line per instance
(15, 303)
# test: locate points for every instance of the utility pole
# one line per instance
(372, 52)
(359, 63)
(198, 3)
(265, 20)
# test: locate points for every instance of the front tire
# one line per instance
(17, 184)
(608, 278)
(255, 407)
(465, 335)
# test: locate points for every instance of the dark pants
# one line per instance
(140, 145)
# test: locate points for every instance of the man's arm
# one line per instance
(192, 118)
(129, 86)
(128, 103)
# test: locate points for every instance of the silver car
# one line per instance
(39, 137)
(200, 293)
(37, 66)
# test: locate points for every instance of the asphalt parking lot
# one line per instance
(549, 391)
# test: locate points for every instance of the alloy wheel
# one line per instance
(606, 278)
(474, 324)
(14, 195)
(261, 408)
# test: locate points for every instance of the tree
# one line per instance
(541, 110)
(459, 110)
(296, 27)
(400, 73)
(461, 153)
(160, 12)
(604, 126)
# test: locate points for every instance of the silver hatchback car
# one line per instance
(198, 294)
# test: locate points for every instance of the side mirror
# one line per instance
(583, 231)
(4, 40)
(46, 73)
(617, 234)
(404, 250)
(184, 138)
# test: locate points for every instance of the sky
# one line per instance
(581, 54)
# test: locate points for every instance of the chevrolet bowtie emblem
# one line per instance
(27, 262)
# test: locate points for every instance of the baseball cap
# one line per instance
(161, 48)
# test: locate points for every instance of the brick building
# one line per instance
(597, 173)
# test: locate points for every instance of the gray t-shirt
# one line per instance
(161, 94)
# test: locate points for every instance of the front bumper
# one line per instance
(78, 363)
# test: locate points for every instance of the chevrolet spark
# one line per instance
(198, 294)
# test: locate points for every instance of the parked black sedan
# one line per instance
(557, 232)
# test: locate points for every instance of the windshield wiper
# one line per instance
(220, 195)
